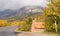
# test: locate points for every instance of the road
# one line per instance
(9, 31)
(24, 34)
(7, 34)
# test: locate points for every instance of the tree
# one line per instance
(29, 20)
(51, 12)
(25, 25)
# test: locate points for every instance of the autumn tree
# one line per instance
(50, 14)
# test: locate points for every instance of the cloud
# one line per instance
(16, 4)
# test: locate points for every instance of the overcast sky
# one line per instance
(16, 4)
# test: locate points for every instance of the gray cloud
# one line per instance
(16, 4)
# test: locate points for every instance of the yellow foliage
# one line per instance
(15, 23)
(3, 23)
(53, 7)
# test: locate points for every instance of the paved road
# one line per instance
(7, 34)
(32, 34)
(7, 31)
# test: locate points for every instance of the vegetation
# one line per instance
(3, 23)
(23, 25)
(26, 24)
(52, 16)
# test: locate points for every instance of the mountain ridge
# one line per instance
(22, 12)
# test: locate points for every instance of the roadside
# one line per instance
(35, 34)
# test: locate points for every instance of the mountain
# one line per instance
(7, 13)
(30, 11)
(25, 11)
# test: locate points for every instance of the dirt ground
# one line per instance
(34, 34)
